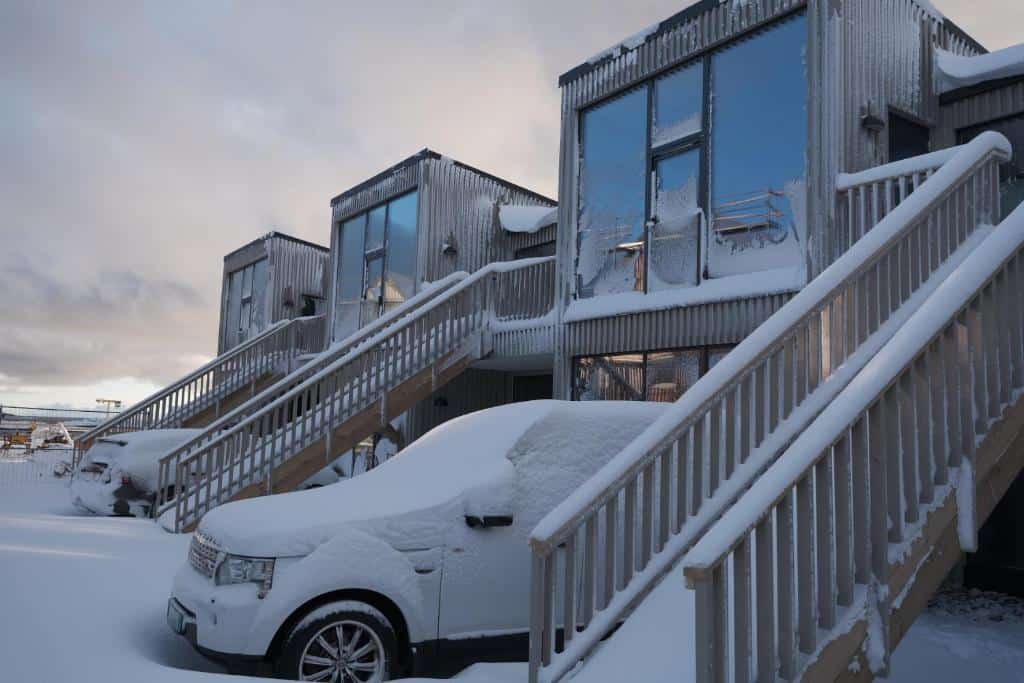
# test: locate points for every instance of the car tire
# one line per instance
(369, 652)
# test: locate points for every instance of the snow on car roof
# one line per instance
(438, 469)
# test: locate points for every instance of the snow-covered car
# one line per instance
(420, 566)
(118, 475)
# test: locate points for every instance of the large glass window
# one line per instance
(612, 188)
(653, 376)
(678, 105)
(377, 263)
(654, 159)
(759, 152)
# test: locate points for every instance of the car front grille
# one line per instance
(203, 554)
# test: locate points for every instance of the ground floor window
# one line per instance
(644, 375)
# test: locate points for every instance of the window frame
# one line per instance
(705, 352)
(701, 139)
(381, 252)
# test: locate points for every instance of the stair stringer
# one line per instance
(932, 555)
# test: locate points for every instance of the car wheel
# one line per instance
(341, 642)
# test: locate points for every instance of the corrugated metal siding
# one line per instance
(721, 323)
(719, 24)
(725, 322)
(291, 264)
(874, 55)
(472, 390)
(859, 52)
(399, 182)
(507, 243)
(982, 108)
(294, 269)
(454, 200)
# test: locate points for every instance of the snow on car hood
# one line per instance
(412, 498)
(139, 456)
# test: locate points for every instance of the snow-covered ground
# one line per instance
(83, 599)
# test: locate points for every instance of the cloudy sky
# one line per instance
(141, 141)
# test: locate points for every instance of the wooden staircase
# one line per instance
(281, 438)
(781, 536)
(219, 386)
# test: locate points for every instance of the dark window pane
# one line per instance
(375, 227)
(610, 378)
(537, 250)
(670, 373)
(906, 138)
(717, 353)
(758, 152)
(612, 187)
(675, 235)
(678, 105)
(401, 281)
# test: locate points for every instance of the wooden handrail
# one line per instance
(739, 406)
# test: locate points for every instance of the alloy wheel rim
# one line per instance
(343, 652)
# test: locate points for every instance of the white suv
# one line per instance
(419, 566)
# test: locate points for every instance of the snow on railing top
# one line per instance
(323, 359)
(948, 300)
(195, 374)
(693, 402)
(381, 335)
(903, 167)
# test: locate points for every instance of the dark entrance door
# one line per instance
(907, 138)
(532, 388)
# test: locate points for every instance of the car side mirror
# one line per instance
(488, 521)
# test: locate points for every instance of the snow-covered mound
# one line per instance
(455, 464)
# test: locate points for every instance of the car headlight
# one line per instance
(235, 569)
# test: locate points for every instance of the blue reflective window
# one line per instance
(612, 188)
(377, 264)
(349, 276)
(758, 152)
(401, 265)
(678, 105)
(376, 225)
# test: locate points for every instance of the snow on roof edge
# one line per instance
(527, 219)
(956, 71)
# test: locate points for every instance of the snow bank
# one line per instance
(777, 281)
(527, 219)
(956, 71)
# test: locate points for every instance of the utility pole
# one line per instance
(109, 404)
